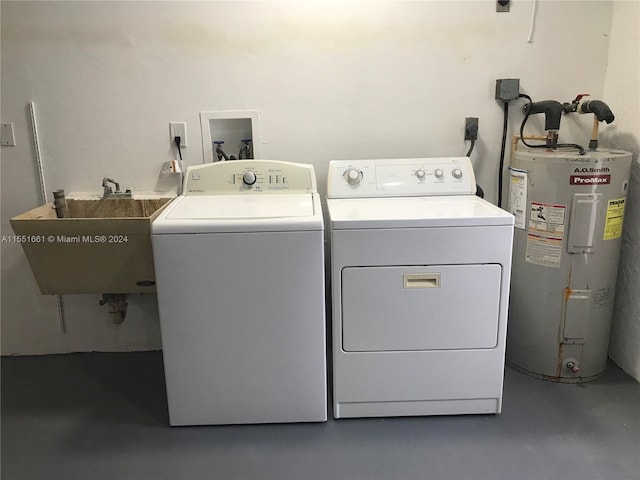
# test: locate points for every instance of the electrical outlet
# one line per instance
(178, 129)
(471, 128)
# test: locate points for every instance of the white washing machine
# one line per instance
(420, 270)
(239, 265)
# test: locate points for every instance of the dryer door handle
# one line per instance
(421, 280)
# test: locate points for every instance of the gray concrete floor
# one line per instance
(104, 416)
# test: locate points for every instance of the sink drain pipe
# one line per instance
(117, 306)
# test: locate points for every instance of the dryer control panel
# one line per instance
(249, 177)
(406, 177)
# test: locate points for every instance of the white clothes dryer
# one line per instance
(239, 261)
(420, 270)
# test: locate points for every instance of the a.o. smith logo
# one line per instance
(589, 179)
(591, 170)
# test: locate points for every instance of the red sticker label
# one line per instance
(589, 179)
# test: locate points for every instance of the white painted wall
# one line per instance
(332, 80)
(622, 88)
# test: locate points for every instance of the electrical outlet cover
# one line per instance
(178, 129)
(8, 136)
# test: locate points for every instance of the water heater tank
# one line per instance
(569, 212)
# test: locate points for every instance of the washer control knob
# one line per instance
(249, 178)
(456, 172)
(439, 173)
(420, 174)
(353, 176)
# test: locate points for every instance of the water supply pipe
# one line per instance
(600, 110)
(219, 152)
(516, 138)
(117, 306)
(553, 113)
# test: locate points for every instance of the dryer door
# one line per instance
(432, 307)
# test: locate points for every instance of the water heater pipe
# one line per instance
(553, 113)
(600, 109)
(516, 138)
(593, 143)
(601, 113)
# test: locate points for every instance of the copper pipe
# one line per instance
(593, 144)
(516, 138)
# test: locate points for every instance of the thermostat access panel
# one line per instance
(249, 177)
(401, 177)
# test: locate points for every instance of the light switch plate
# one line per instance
(8, 138)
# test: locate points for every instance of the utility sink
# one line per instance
(103, 247)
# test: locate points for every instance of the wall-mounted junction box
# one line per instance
(503, 5)
(507, 89)
(231, 127)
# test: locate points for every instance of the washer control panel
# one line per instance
(249, 177)
(400, 177)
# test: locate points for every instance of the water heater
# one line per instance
(569, 211)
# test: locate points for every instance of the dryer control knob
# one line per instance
(439, 173)
(456, 172)
(353, 176)
(420, 174)
(249, 178)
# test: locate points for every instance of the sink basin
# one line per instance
(115, 207)
(103, 247)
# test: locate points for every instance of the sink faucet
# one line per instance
(219, 152)
(108, 191)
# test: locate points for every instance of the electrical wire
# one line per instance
(524, 121)
(502, 151)
(177, 142)
(473, 144)
(479, 191)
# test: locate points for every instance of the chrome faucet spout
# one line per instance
(109, 191)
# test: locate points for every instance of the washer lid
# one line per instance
(240, 213)
(415, 212)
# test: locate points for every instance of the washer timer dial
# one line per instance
(420, 174)
(353, 176)
(249, 178)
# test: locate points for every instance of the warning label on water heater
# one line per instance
(545, 251)
(547, 218)
(518, 196)
(615, 215)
